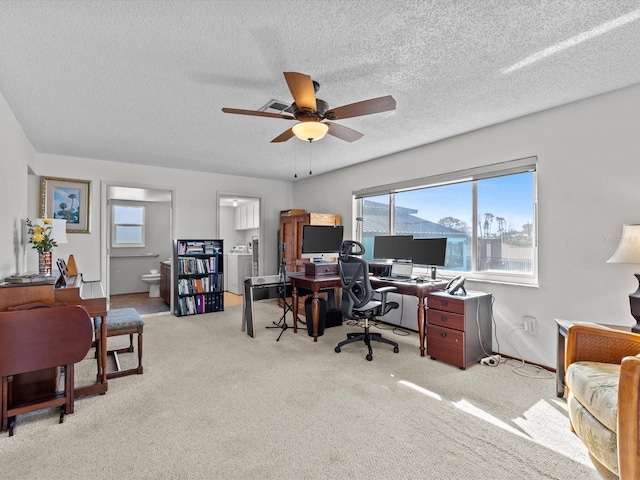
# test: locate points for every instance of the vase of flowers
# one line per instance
(41, 238)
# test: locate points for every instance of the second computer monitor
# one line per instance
(429, 251)
(393, 247)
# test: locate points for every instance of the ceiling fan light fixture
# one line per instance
(310, 131)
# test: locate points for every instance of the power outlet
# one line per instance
(530, 325)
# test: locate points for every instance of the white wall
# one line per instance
(195, 203)
(588, 187)
(16, 152)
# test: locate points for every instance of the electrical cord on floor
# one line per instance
(497, 358)
(524, 369)
(402, 332)
(495, 327)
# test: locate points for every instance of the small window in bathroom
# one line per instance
(127, 229)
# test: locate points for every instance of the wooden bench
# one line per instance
(122, 321)
(39, 340)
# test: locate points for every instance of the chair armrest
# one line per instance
(386, 289)
(383, 295)
(595, 343)
(629, 418)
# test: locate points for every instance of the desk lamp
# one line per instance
(628, 251)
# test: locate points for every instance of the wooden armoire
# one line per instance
(291, 222)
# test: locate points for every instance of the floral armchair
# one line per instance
(603, 398)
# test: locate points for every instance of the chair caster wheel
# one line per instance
(396, 349)
(337, 349)
(369, 357)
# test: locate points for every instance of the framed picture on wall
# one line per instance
(67, 199)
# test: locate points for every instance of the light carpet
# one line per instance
(214, 403)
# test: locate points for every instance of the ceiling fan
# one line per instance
(313, 113)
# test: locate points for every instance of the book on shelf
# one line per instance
(199, 285)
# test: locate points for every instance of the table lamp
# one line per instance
(59, 231)
(628, 251)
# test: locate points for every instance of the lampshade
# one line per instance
(58, 230)
(310, 131)
(628, 250)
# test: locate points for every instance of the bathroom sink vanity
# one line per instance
(165, 281)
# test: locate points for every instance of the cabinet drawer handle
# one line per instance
(443, 335)
(443, 303)
(443, 318)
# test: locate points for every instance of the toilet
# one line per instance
(153, 279)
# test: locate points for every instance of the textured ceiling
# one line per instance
(144, 81)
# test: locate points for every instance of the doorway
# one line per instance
(136, 247)
(239, 225)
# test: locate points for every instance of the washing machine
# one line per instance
(238, 265)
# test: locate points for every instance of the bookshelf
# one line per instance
(199, 277)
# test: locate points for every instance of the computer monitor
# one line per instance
(321, 241)
(393, 247)
(429, 251)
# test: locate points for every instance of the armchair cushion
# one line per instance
(593, 408)
(595, 386)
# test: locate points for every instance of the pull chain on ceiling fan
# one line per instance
(313, 113)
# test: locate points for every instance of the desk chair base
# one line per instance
(366, 337)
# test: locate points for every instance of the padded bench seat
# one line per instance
(122, 321)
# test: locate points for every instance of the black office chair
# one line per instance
(358, 296)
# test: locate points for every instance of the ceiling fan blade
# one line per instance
(257, 113)
(365, 107)
(343, 133)
(284, 136)
(302, 89)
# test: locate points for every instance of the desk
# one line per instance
(315, 284)
(563, 327)
(419, 290)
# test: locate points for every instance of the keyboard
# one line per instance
(396, 279)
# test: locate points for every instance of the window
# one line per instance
(487, 214)
(127, 228)
(376, 222)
